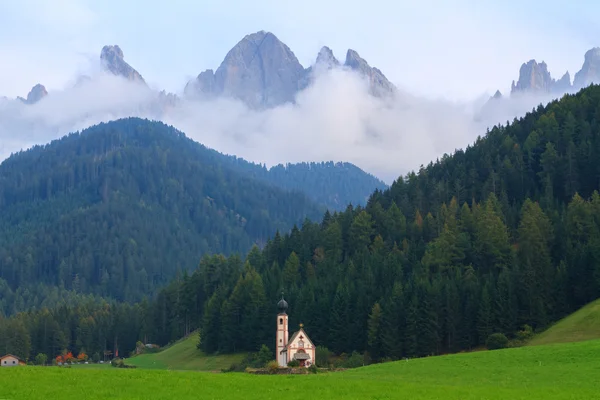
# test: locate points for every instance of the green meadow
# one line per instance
(183, 355)
(584, 324)
(557, 371)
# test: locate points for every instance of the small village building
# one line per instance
(299, 347)
(10, 360)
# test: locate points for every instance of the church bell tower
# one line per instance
(282, 332)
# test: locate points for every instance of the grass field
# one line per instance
(183, 355)
(584, 324)
(560, 371)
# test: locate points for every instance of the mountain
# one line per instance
(378, 84)
(36, 93)
(500, 237)
(534, 77)
(590, 71)
(259, 70)
(117, 209)
(334, 185)
(113, 61)
(263, 72)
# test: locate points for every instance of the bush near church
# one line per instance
(272, 366)
(496, 341)
(293, 364)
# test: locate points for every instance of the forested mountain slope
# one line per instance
(117, 209)
(502, 234)
(333, 184)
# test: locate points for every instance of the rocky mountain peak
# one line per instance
(533, 77)
(326, 58)
(590, 71)
(203, 87)
(260, 70)
(379, 85)
(263, 72)
(354, 61)
(113, 61)
(36, 93)
(563, 84)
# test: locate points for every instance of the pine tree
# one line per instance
(484, 316)
(392, 323)
(339, 321)
(375, 332)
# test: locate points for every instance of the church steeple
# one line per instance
(282, 332)
(282, 305)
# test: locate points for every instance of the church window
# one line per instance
(280, 321)
(300, 343)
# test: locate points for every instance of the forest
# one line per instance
(116, 210)
(496, 238)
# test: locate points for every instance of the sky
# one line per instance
(445, 57)
(456, 49)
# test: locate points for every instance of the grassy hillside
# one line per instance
(583, 324)
(542, 372)
(184, 355)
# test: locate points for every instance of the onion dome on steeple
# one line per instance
(282, 305)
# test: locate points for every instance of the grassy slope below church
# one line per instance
(184, 355)
(541, 372)
(584, 324)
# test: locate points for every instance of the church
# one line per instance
(299, 347)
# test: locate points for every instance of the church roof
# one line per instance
(293, 337)
(301, 356)
(296, 334)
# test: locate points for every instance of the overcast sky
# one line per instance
(454, 49)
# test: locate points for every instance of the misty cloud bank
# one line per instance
(334, 119)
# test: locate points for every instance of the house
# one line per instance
(299, 347)
(10, 360)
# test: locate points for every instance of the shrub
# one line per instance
(232, 368)
(119, 363)
(152, 350)
(496, 341)
(272, 367)
(41, 359)
(354, 361)
(323, 356)
(294, 363)
(525, 334)
(313, 369)
(264, 356)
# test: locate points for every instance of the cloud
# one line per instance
(333, 119)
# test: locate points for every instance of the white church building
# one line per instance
(299, 347)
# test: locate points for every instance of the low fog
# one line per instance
(334, 119)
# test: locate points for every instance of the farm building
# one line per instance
(10, 360)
